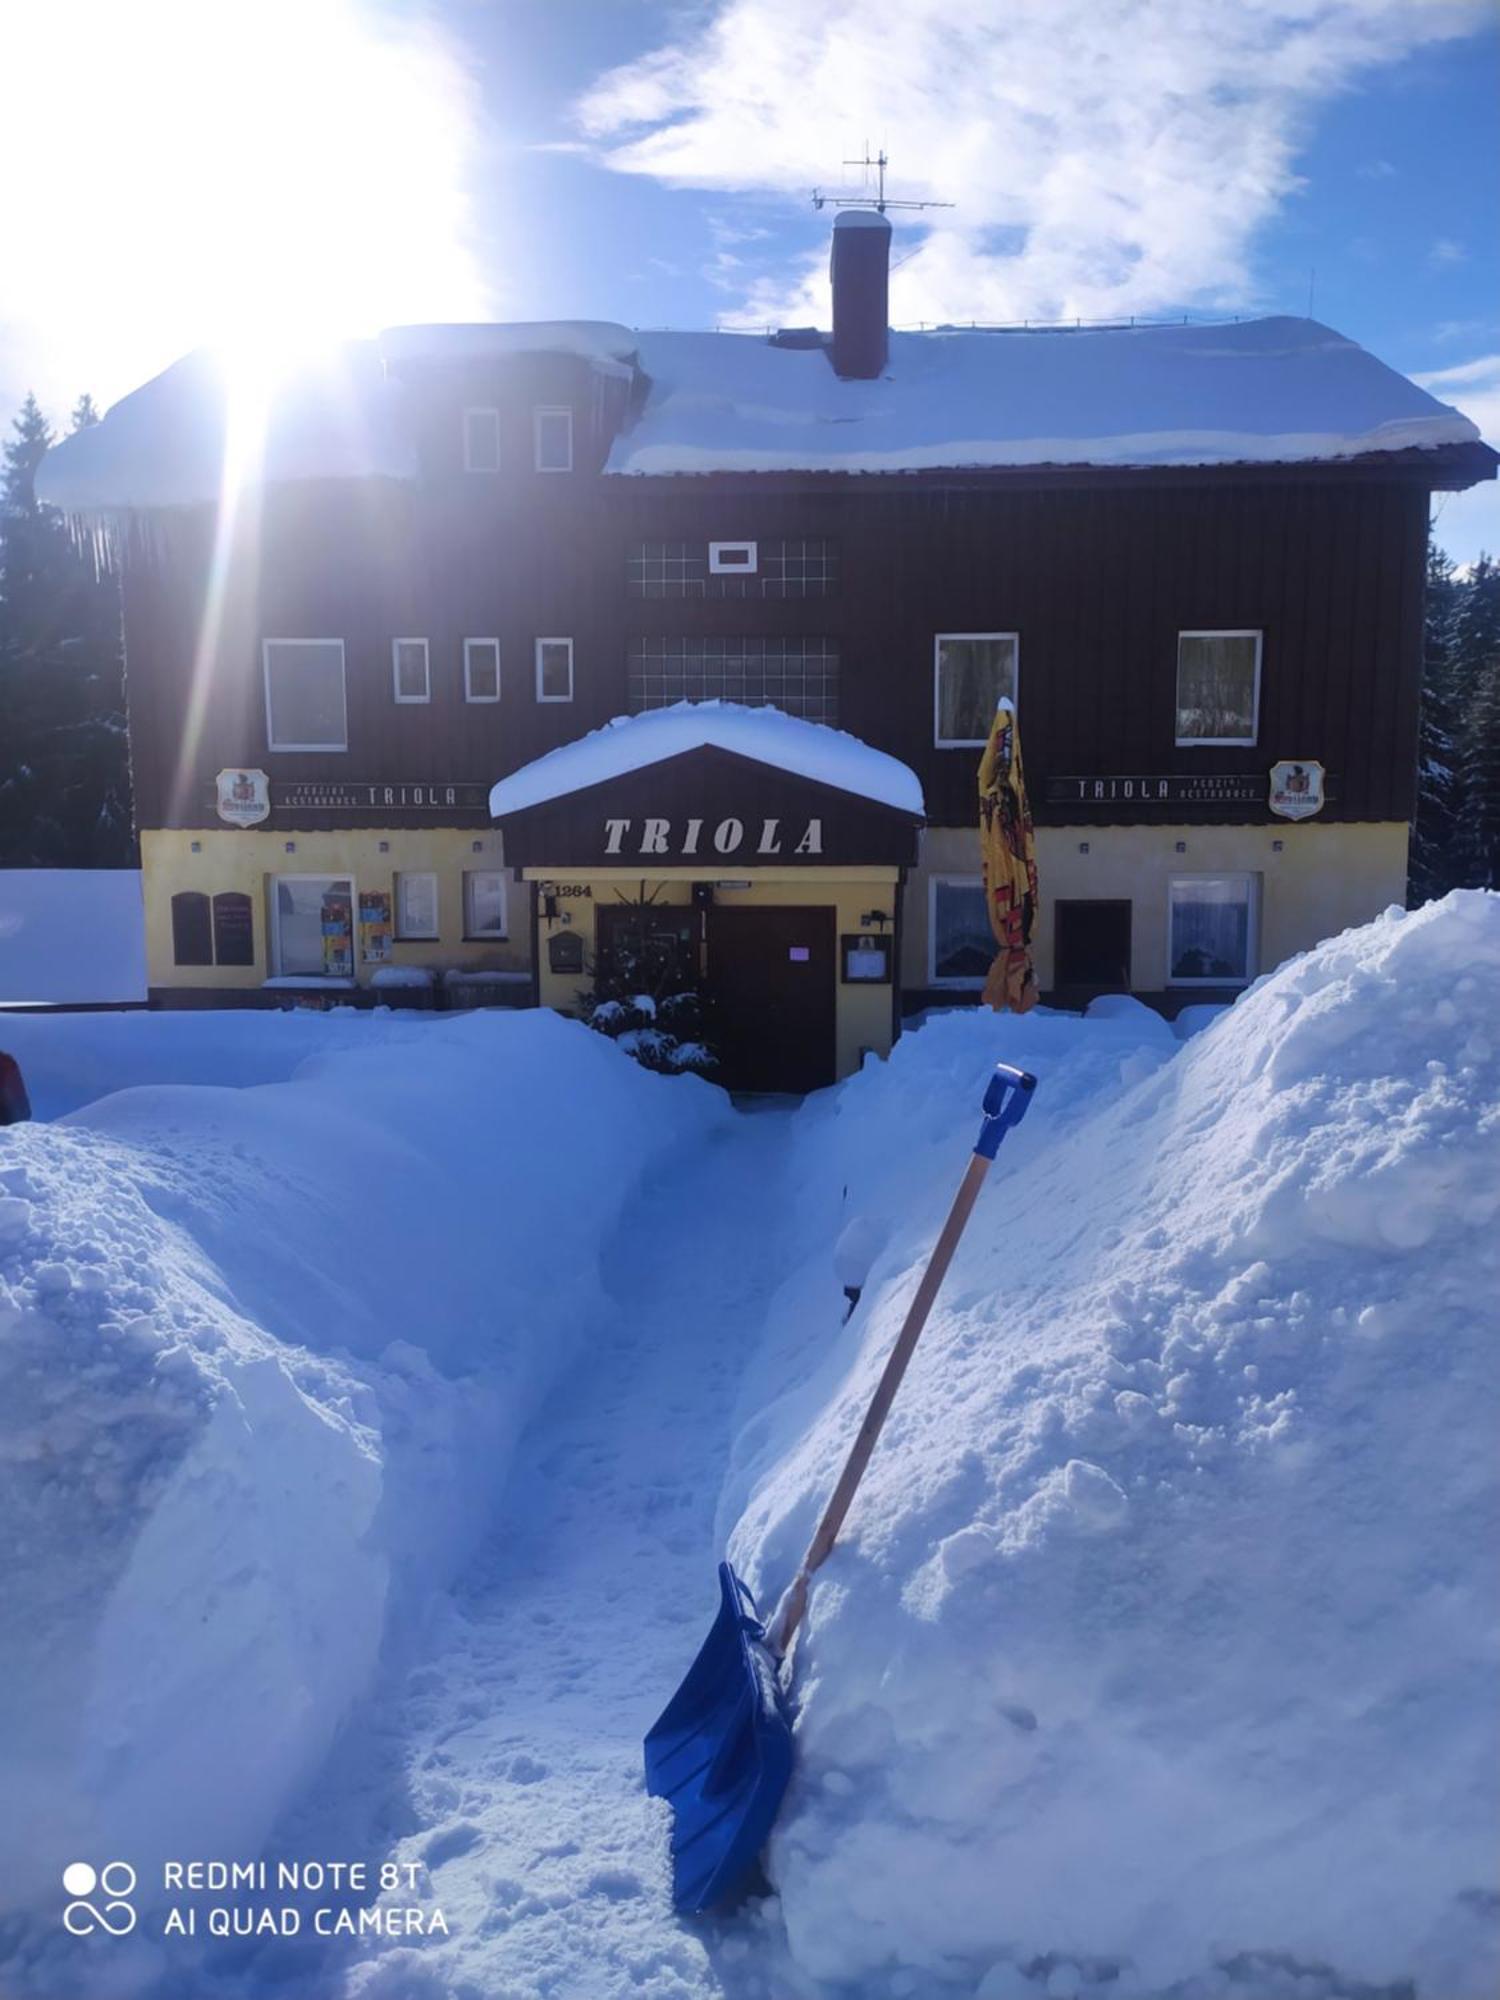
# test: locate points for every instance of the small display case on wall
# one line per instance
(865, 960)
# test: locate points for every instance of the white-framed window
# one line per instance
(481, 669)
(733, 558)
(1218, 687)
(410, 672)
(417, 904)
(971, 671)
(554, 669)
(484, 903)
(552, 431)
(481, 440)
(305, 694)
(1212, 921)
(312, 926)
(960, 944)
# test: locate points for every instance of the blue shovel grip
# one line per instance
(1005, 1101)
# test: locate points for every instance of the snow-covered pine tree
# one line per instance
(64, 771)
(1477, 633)
(1434, 860)
(643, 997)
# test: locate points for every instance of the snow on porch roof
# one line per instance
(765, 735)
(1267, 391)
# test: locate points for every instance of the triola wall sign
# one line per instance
(686, 839)
(243, 798)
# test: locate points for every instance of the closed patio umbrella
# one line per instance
(1008, 844)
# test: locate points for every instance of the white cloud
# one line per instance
(1474, 387)
(1447, 250)
(1107, 156)
(1467, 525)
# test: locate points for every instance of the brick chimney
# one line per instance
(859, 268)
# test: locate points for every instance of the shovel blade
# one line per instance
(721, 1754)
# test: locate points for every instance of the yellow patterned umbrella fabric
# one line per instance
(1008, 844)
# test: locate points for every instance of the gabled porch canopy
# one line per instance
(710, 786)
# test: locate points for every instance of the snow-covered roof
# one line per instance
(165, 444)
(766, 735)
(1259, 392)
(598, 341)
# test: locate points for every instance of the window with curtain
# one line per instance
(971, 672)
(1211, 938)
(961, 945)
(305, 694)
(1218, 687)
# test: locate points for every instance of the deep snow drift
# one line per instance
(1164, 1637)
(263, 1356)
(1159, 1658)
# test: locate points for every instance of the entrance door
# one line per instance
(771, 977)
(1092, 952)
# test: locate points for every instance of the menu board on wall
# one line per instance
(337, 922)
(375, 926)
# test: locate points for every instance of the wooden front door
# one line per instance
(771, 977)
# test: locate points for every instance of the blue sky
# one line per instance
(333, 165)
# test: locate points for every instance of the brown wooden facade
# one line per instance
(1096, 578)
(1097, 572)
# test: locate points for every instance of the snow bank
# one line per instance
(71, 934)
(767, 735)
(69, 1060)
(1262, 391)
(263, 1356)
(1162, 1647)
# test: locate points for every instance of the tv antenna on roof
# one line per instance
(879, 163)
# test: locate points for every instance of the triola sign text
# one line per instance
(686, 838)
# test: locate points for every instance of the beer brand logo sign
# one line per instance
(1297, 788)
(687, 839)
(243, 797)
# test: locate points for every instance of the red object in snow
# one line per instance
(15, 1105)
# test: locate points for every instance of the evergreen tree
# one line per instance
(1434, 858)
(645, 998)
(84, 413)
(64, 779)
(1477, 632)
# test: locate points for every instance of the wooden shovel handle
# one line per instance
(794, 1604)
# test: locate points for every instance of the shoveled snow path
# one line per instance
(522, 1726)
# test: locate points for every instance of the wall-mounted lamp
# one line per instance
(873, 917)
(1083, 847)
(1181, 847)
(291, 847)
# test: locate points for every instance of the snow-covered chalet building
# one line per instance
(361, 603)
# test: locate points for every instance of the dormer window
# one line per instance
(481, 440)
(553, 429)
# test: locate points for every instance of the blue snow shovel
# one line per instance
(721, 1749)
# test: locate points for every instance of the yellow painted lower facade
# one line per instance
(1313, 879)
(214, 861)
